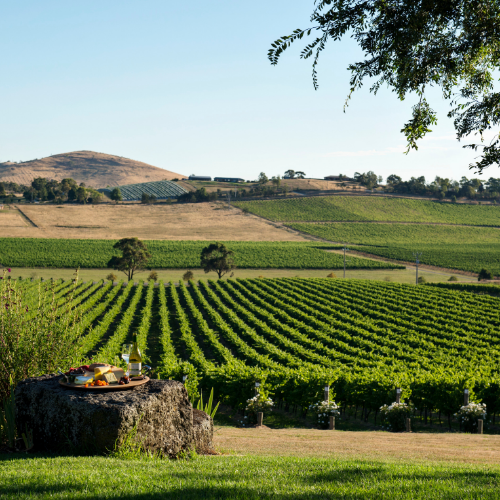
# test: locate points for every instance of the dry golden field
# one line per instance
(196, 221)
(373, 445)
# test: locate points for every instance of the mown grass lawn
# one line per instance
(242, 477)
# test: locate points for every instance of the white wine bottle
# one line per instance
(135, 359)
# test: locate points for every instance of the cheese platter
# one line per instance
(100, 377)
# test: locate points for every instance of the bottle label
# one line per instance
(135, 369)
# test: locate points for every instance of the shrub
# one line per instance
(387, 278)
(188, 275)
(484, 274)
(453, 199)
(421, 280)
(394, 416)
(245, 210)
(111, 277)
(453, 278)
(259, 403)
(469, 415)
(332, 275)
(40, 343)
(153, 276)
(324, 410)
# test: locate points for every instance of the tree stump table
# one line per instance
(63, 419)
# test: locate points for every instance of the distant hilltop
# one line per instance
(94, 169)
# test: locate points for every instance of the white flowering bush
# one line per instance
(324, 410)
(394, 416)
(257, 404)
(469, 415)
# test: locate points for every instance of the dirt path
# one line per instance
(443, 447)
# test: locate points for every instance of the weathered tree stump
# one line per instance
(64, 419)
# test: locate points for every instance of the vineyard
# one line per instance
(454, 247)
(368, 208)
(18, 252)
(294, 335)
(160, 189)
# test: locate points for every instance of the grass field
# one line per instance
(453, 247)
(395, 275)
(366, 208)
(15, 252)
(185, 221)
(243, 477)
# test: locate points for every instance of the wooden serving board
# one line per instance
(113, 387)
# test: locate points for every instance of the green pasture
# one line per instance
(241, 477)
(367, 208)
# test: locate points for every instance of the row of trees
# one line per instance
(216, 257)
(440, 187)
(42, 189)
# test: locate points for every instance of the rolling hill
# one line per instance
(94, 169)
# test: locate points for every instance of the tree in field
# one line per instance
(263, 179)
(484, 274)
(188, 275)
(276, 181)
(116, 194)
(289, 174)
(218, 258)
(413, 46)
(134, 257)
(300, 175)
(81, 195)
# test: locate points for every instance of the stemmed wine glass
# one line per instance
(126, 350)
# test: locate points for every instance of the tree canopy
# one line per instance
(217, 257)
(413, 45)
(134, 257)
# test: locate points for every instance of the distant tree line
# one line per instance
(473, 189)
(42, 189)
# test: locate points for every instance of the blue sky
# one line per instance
(187, 86)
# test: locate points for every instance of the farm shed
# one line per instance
(199, 178)
(228, 179)
(338, 178)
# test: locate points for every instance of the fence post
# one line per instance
(331, 425)
(480, 426)
(398, 395)
(327, 393)
(260, 418)
(466, 397)
(408, 425)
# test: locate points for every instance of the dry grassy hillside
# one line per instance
(94, 169)
(192, 221)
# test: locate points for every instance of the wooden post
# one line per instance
(331, 425)
(257, 385)
(480, 426)
(260, 418)
(408, 425)
(466, 397)
(398, 395)
(327, 393)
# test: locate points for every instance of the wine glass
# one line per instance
(126, 350)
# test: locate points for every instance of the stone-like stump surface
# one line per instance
(63, 419)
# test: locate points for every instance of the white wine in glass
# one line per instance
(126, 350)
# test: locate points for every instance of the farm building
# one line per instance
(162, 190)
(338, 178)
(200, 178)
(228, 179)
